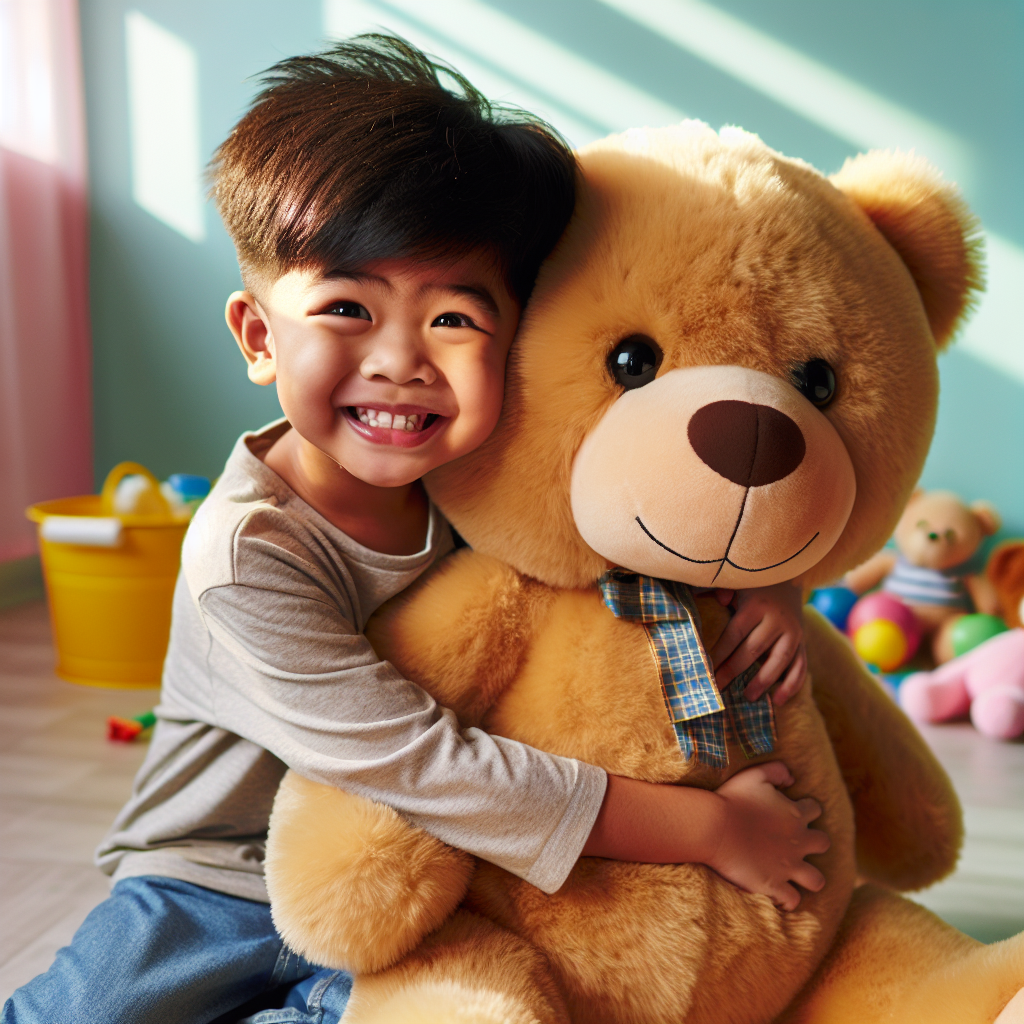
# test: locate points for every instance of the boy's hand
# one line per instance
(764, 836)
(768, 622)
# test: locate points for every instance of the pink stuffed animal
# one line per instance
(988, 681)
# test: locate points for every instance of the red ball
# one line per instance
(881, 605)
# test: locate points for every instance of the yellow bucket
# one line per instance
(110, 593)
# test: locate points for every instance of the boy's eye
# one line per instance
(453, 320)
(351, 309)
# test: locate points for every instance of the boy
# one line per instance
(389, 232)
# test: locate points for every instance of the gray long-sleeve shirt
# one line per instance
(268, 668)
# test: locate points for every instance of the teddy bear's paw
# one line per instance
(352, 885)
(380, 1001)
(1013, 1012)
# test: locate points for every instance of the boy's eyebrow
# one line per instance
(474, 291)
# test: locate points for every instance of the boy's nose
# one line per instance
(399, 361)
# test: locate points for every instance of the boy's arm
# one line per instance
(295, 677)
(768, 624)
(747, 830)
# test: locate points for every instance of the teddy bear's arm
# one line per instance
(462, 632)
(908, 819)
(868, 575)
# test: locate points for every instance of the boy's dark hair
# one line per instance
(362, 153)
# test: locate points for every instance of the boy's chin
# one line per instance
(396, 469)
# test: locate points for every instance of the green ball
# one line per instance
(971, 630)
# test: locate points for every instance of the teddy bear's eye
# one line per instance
(816, 381)
(634, 361)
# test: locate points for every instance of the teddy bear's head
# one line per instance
(938, 530)
(727, 371)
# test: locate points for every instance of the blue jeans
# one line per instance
(161, 951)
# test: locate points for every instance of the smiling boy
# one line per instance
(389, 230)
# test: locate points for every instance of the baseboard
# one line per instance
(21, 580)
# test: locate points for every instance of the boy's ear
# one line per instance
(927, 222)
(248, 323)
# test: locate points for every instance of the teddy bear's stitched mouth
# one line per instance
(725, 559)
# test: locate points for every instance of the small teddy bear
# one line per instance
(931, 570)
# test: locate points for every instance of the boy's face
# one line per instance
(391, 370)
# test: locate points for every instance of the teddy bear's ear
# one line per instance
(927, 222)
(988, 518)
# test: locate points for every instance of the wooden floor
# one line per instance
(61, 783)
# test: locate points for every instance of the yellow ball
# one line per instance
(881, 643)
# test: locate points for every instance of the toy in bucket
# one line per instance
(110, 562)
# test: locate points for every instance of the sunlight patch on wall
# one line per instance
(819, 94)
(995, 333)
(509, 63)
(163, 101)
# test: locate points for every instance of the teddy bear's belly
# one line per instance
(635, 942)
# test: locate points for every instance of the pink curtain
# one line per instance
(45, 365)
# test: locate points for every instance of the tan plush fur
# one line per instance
(727, 255)
(392, 884)
(927, 222)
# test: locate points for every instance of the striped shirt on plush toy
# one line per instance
(918, 584)
(697, 709)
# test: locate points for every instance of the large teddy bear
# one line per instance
(726, 376)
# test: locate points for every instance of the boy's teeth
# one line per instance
(383, 418)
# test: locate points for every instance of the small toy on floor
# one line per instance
(835, 603)
(987, 683)
(929, 574)
(124, 730)
(884, 631)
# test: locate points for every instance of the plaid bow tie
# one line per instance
(696, 708)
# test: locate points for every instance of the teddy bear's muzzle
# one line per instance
(713, 476)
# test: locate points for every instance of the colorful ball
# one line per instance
(835, 604)
(971, 630)
(882, 643)
(881, 605)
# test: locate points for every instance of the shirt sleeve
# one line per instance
(294, 676)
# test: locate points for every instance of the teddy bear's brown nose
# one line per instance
(751, 445)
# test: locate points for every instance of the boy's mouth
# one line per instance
(382, 426)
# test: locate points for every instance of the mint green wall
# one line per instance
(170, 391)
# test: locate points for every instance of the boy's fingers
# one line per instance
(776, 773)
(809, 809)
(746, 653)
(724, 596)
(818, 841)
(786, 897)
(727, 642)
(796, 675)
(809, 877)
(774, 665)
(744, 622)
